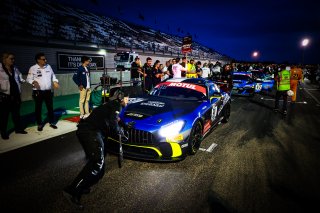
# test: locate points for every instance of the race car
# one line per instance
(243, 84)
(264, 83)
(170, 122)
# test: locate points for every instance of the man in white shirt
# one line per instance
(205, 71)
(41, 76)
(177, 68)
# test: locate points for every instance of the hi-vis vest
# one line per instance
(284, 82)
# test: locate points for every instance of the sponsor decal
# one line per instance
(206, 126)
(154, 104)
(183, 85)
(135, 115)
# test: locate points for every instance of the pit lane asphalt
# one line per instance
(264, 162)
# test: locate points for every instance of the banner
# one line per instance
(71, 61)
(186, 44)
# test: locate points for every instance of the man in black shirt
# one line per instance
(147, 68)
(91, 132)
(136, 72)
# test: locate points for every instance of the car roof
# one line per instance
(242, 73)
(197, 81)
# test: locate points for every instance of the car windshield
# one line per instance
(241, 77)
(178, 92)
(258, 75)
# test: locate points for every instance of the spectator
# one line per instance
(41, 76)
(156, 73)
(10, 95)
(198, 69)
(165, 71)
(205, 71)
(147, 68)
(283, 85)
(82, 79)
(170, 72)
(136, 71)
(177, 69)
(191, 67)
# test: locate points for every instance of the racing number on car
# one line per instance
(214, 113)
(258, 86)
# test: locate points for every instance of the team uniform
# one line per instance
(44, 76)
(283, 85)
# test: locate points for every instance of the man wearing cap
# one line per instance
(90, 133)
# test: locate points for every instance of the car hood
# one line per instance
(157, 111)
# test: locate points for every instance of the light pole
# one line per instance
(304, 44)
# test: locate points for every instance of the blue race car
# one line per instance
(170, 122)
(264, 83)
(243, 84)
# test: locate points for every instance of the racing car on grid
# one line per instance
(264, 83)
(170, 122)
(243, 84)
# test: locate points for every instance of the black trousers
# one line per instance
(39, 97)
(93, 146)
(9, 104)
(284, 97)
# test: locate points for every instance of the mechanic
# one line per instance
(295, 79)
(283, 85)
(91, 133)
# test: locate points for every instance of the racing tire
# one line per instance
(195, 138)
(226, 113)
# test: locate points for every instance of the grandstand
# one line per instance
(44, 20)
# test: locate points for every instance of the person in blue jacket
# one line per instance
(82, 79)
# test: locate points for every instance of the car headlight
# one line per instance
(171, 129)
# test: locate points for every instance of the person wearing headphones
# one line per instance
(91, 132)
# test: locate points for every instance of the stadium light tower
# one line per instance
(304, 43)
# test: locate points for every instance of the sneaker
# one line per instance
(276, 110)
(21, 132)
(53, 126)
(284, 112)
(73, 199)
(40, 128)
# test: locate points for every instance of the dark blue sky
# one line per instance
(233, 27)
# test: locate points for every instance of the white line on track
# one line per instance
(314, 98)
(271, 99)
(210, 149)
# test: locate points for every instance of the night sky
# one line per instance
(236, 28)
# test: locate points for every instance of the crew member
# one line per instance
(177, 69)
(295, 77)
(41, 76)
(226, 77)
(90, 133)
(283, 85)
